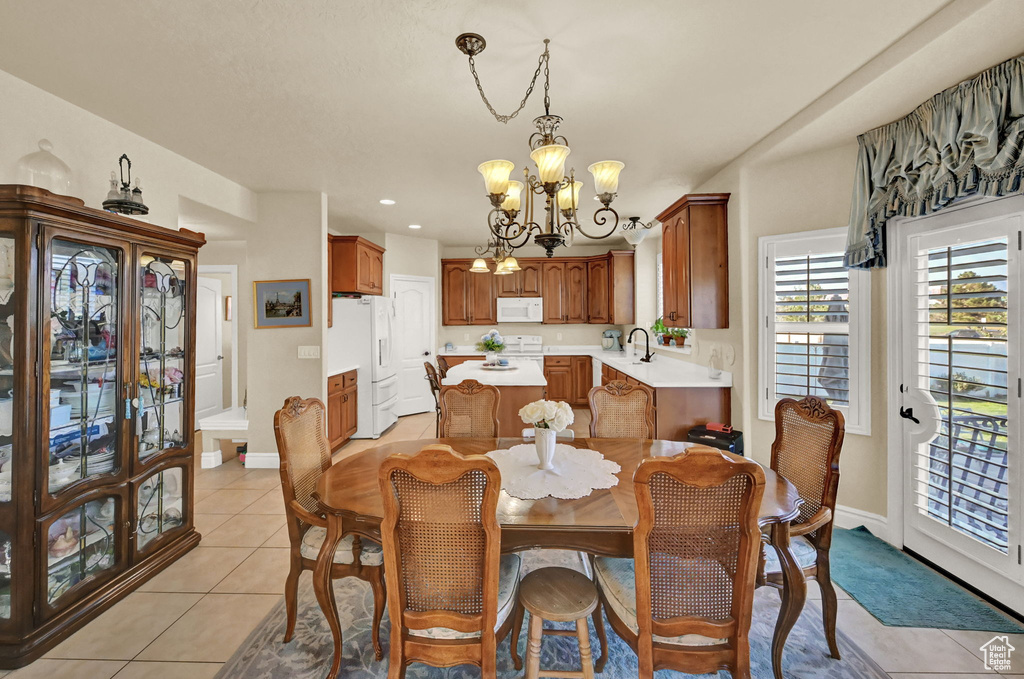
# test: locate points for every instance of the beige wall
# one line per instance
(289, 240)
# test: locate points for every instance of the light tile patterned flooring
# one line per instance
(188, 620)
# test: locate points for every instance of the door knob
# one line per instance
(426, 353)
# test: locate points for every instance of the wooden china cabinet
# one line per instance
(97, 318)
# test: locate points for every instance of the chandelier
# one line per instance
(512, 219)
(501, 253)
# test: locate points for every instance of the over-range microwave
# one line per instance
(520, 310)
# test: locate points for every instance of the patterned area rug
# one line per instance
(308, 655)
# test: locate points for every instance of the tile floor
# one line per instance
(188, 620)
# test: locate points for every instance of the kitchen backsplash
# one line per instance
(461, 335)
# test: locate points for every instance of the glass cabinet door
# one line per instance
(8, 321)
(159, 506)
(162, 388)
(84, 397)
(81, 545)
(5, 576)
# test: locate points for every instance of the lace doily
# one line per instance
(577, 472)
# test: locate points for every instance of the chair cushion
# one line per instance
(805, 553)
(371, 554)
(617, 580)
(508, 585)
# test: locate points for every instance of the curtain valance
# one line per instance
(964, 141)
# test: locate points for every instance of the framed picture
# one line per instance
(281, 304)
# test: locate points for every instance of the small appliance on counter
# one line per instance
(611, 340)
(717, 435)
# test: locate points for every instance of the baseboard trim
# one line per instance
(262, 461)
(851, 517)
(211, 459)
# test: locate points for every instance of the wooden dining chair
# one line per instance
(685, 602)
(469, 409)
(442, 366)
(306, 454)
(620, 410)
(435, 390)
(451, 595)
(808, 440)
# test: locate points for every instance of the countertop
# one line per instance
(345, 369)
(663, 372)
(525, 375)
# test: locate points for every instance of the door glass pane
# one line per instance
(84, 375)
(5, 576)
(7, 396)
(961, 474)
(159, 506)
(162, 385)
(80, 545)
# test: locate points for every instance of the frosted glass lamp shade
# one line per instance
(511, 264)
(550, 160)
(606, 176)
(500, 269)
(496, 174)
(479, 266)
(634, 236)
(569, 197)
(512, 196)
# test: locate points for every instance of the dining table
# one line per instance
(600, 523)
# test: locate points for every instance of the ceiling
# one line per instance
(372, 100)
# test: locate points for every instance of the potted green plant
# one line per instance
(491, 344)
(677, 336)
(659, 330)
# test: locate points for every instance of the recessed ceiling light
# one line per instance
(386, 201)
(415, 226)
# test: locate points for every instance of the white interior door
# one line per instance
(209, 331)
(413, 341)
(960, 394)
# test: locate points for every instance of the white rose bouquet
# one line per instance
(555, 415)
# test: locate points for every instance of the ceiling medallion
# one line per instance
(511, 223)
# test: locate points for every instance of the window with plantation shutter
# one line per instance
(815, 325)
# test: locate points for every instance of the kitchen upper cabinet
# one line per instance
(695, 267)
(575, 299)
(597, 291)
(523, 283)
(357, 265)
(467, 298)
(553, 281)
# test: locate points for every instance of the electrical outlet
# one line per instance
(309, 352)
(558, 336)
(465, 337)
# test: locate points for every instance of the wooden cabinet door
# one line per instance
(364, 269)
(530, 279)
(377, 272)
(575, 297)
(598, 295)
(508, 285)
(335, 417)
(553, 280)
(709, 270)
(455, 293)
(349, 412)
(670, 269)
(558, 373)
(582, 380)
(483, 307)
(681, 318)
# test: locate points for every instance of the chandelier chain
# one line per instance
(542, 64)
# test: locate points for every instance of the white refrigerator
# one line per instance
(362, 338)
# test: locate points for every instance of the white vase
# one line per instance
(544, 439)
(491, 357)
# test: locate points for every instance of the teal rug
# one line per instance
(903, 592)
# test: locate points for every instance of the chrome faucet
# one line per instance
(647, 341)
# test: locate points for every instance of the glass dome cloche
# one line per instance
(44, 170)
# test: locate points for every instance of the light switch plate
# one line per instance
(309, 352)
(558, 337)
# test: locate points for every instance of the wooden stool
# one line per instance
(558, 595)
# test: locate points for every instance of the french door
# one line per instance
(959, 392)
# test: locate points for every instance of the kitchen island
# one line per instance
(517, 387)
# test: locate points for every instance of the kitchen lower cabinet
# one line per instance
(677, 409)
(582, 381)
(569, 379)
(342, 408)
(97, 401)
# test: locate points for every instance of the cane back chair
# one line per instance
(622, 410)
(469, 409)
(451, 595)
(685, 602)
(435, 390)
(306, 454)
(808, 440)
